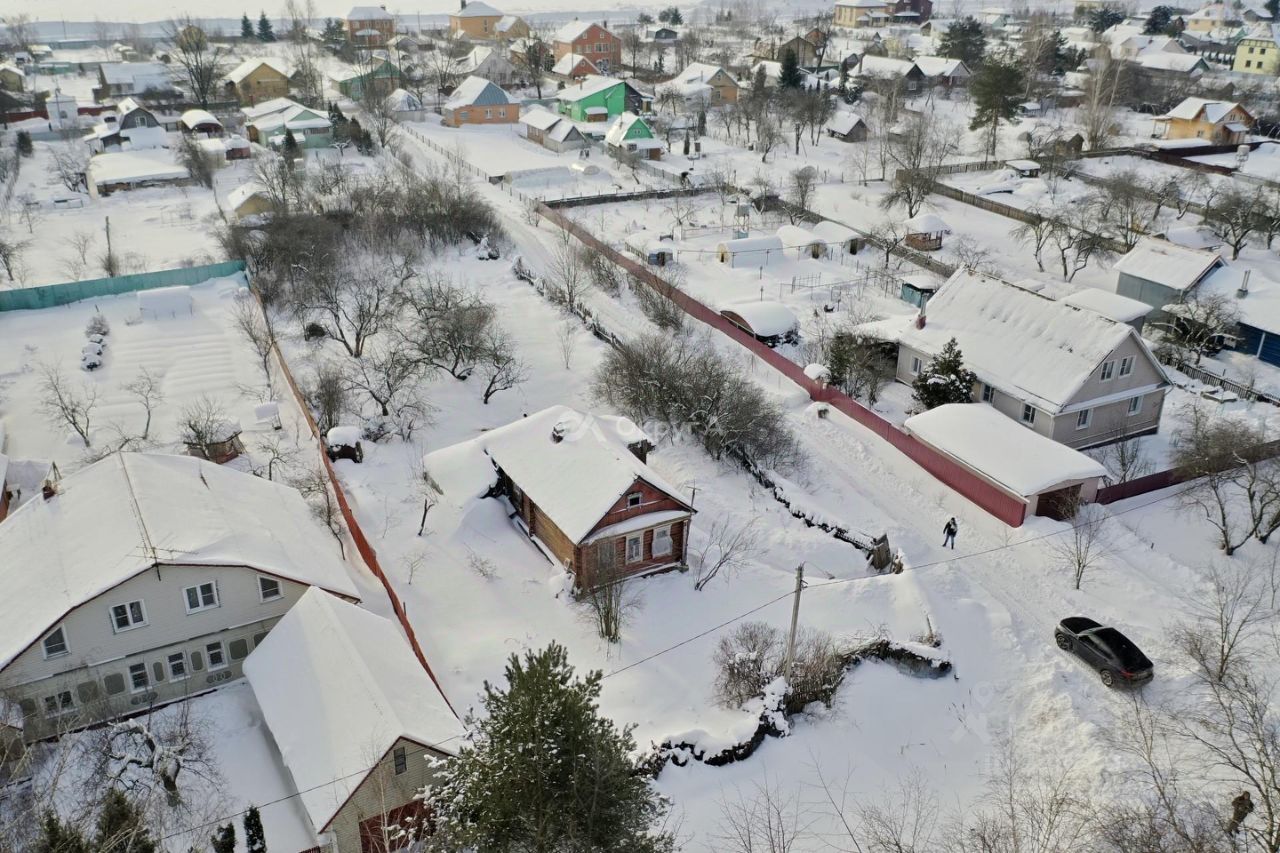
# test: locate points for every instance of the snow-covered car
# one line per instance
(89, 361)
(343, 442)
(1112, 654)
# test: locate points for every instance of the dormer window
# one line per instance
(633, 500)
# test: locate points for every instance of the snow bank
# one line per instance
(165, 301)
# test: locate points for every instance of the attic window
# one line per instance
(633, 500)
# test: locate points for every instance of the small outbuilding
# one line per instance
(750, 252)
(653, 250)
(771, 323)
(631, 134)
(925, 232)
(1051, 479)
(847, 127)
(1024, 168)
(839, 238)
(800, 242)
(917, 289)
(200, 123)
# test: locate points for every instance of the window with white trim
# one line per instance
(1126, 365)
(138, 678)
(400, 758)
(127, 616)
(635, 548)
(662, 545)
(1135, 406)
(1082, 418)
(55, 643)
(488, 113)
(1028, 414)
(217, 656)
(915, 366)
(268, 588)
(177, 666)
(202, 596)
(1108, 371)
(59, 703)
(988, 393)
(634, 499)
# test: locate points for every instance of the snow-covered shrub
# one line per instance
(97, 325)
(754, 656)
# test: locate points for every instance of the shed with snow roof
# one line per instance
(770, 323)
(924, 232)
(1050, 478)
(801, 242)
(1122, 309)
(847, 127)
(839, 238)
(750, 252)
(1159, 272)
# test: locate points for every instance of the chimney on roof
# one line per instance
(920, 321)
(1244, 286)
(557, 433)
(49, 490)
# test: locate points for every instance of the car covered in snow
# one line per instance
(1111, 653)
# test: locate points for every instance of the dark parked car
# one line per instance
(1112, 654)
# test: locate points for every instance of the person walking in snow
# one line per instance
(1241, 808)
(949, 531)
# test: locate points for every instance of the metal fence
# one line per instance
(51, 295)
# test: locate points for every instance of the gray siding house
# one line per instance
(1161, 273)
(1068, 373)
(144, 579)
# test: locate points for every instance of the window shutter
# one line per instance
(197, 661)
(114, 683)
(87, 691)
(158, 669)
(239, 649)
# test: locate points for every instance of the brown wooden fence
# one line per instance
(1004, 506)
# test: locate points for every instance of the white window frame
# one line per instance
(199, 590)
(183, 663)
(66, 646)
(1028, 414)
(1108, 371)
(671, 544)
(916, 365)
(222, 653)
(988, 393)
(1126, 366)
(1134, 409)
(488, 113)
(60, 707)
(634, 499)
(128, 607)
(146, 678)
(1083, 418)
(262, 593)
(626, 553)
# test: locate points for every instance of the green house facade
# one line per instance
(598, 99)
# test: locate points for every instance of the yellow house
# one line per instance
(1259, 51)
(861, 13)
(256, 80)
(1216, 122)
(476, 20)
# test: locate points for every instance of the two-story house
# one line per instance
(1070, 374)
(256, 80)
(356, 719)
(119, 79)
(1216, 122)
(591, 40)
(144, 579)
(370, 26)
(580, 486)
(132, 123)
(707, 85)
(598, 99)
(476, 20)
(1259, 51)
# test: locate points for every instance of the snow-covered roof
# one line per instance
(275, 105)
(1020, 459)
(369, 13)
(477, 9)
(843, 123)
(941, 66)
(131, 167)
(563, 131)
(927, 223)
(588, 87)
(131, 511)
(118, 73)
(572, 30)
(832, 232)
(761, 243)
(1122, 309)
(1193, 108)
(1168, 264)
(617, 133)
(884, 66)
(795, 237)
(338, 686)
(1193, 237)
(1260, 307)
(244, 69)
(694, 77)
(574, 480)
(1032, 347)
(478, 91)
(239, 195)
(506, 22)
(539, 118)
(296, 117)
(766, 319)
(402, 100)
(564, 65)
(1182, 62)
(192, 119)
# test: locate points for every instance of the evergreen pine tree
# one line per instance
(964, 40)
(224, 840)
(1103, 19)
(291, 149)
(545, 771)
(246, 27)
(945, 379)
(759, 82)
(790, 77)
(265, 31)
(254, 840)
(702, 122)
(25, 148)
(57, 837)
(996, 91)
(120, 827)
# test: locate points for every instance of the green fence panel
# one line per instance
(51, 295)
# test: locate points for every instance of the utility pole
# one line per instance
(795, 621)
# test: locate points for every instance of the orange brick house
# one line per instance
(591, 40)
(479, 101)
(370, 26)
(579, 486)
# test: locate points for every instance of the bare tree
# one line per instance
(203, 61)
(359, 297)
(448, 327)
(1195, 325)
(769, 820)
(726, 545)
(148, 389)
(607, 597)
(77, 264)
(69, 162)
(204, 423)
(1035, 231)
(1082, 548)
(1234, 214)
(1125, 459)
(567, 339)
(500, 367)
(918, 150)
(1219, 454)
(800, 186)
(198, 162)
(257, 332)
(274, 451)
(1073, 238)
(388, 375)
(304, 52)
(143, 752)
(568, 278)
(12, 253)
(315, 487)
(1097, 112)
(327, 395)
(64, 405)
(534, 61)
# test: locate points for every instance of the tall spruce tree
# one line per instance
(265, 31)
(246, 27)
(964, 40)
(57, 837)
(121, 826)
(789, 77)
(996, 90)
(224, 840)
(945, 379)
(546, 772)
(255, 841)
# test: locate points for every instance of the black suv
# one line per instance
(1112, 654)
